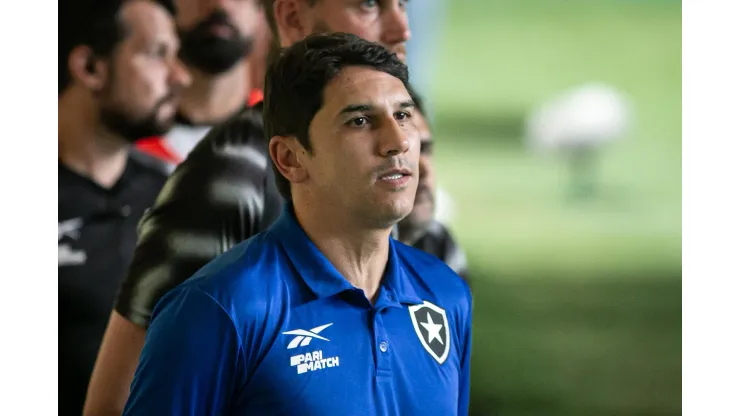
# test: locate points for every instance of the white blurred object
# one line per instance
(444, 208)
(582, 118)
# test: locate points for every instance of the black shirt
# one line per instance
(222, 194)
(437, 240)
(97, 236)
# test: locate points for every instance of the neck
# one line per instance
(211, 99)
(360, 255)
(85, 146)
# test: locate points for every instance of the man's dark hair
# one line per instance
(295, 82)
(169, 5)
(416, 98)
(94, 23)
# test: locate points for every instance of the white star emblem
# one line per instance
(432, 329)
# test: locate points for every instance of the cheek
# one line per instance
(150, 82)
(246, 19)
(344, 165)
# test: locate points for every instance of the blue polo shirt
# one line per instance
(272, 328)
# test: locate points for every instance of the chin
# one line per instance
(398, 210)
(166, 118)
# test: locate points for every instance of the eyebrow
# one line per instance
(355, 108)
(407, 104)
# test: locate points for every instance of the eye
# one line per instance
(159, 51)
(359, 122)
(369, 4)
(402, 116)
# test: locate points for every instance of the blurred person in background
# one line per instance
(119, 80)
(426, 19)
(381, 21)
(217, 39)
(222, 194)
(263, 39)
(420, 229)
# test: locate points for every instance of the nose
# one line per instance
(179, 75)
(396, 26)
(395, 140)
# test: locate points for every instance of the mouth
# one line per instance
(221, 30)
(394, 174)
(395, 178)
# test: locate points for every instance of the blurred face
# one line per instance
(381, 21)
(423, 212)
(145, 78)
(365, 148)
(216, 35)
(258, 57)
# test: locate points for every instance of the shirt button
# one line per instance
(125, 211)
(383, 346)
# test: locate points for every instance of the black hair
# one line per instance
(169, 5)
(418, 101)
(94, 23)
(295, 82)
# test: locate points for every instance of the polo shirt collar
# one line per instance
(322, 277)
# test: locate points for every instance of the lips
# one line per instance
(394, 174)
(221, 29)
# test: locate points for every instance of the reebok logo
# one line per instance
(310, 361)
(70, 228)
(69, 256)
(303, 337)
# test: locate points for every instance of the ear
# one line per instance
(287, 154)
(86, 69)
(290, 17)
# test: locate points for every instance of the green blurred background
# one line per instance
(577, 304)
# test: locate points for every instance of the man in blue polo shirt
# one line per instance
(323, 313)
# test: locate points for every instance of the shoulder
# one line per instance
(433, 278)
(229, 163)
(245, 129)
(435, 283)
(248, 284)
(244, 278)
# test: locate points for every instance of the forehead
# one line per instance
(363, 85)
(147, 21)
